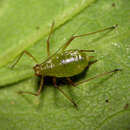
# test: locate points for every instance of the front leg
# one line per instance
(39, 90)
(24, 52)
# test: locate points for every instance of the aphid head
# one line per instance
(37, 69)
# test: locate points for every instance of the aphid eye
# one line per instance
(36, 67)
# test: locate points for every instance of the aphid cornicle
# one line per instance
(64, 63)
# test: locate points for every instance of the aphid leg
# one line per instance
(48, 40)
(97, 76)
(86, 50)
(39, 90)
(24, 52)
(82, 35)
(71, 82)
(93, 62)
(54, 82)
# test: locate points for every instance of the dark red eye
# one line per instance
(36, 67)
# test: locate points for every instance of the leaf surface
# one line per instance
(103, 103)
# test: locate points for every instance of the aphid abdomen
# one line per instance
(66, 64)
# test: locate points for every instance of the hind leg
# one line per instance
(98, 76)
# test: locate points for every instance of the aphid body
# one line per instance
(65, 64)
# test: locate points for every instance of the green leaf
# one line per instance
(103, 103)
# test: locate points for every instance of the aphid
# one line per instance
(64, 63)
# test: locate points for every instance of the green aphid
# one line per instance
(64, 63)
